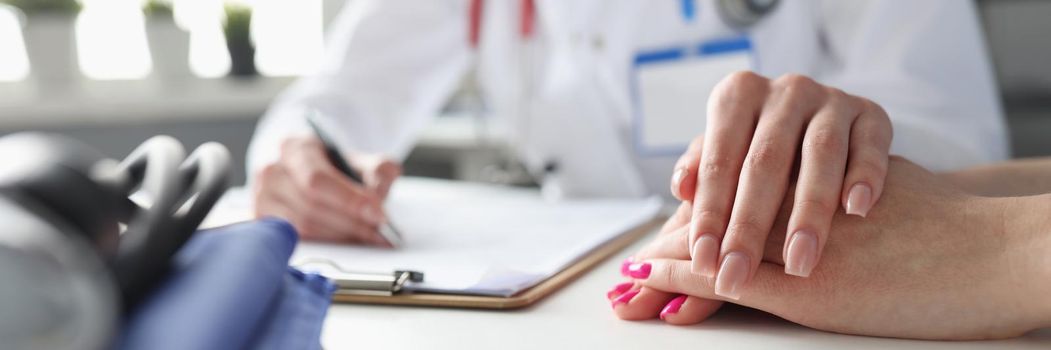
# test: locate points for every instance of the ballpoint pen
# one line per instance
(332, 152)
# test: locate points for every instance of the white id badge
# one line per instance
(671, 89)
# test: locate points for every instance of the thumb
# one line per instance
(684, 178)
(768, 290)
(384, 175)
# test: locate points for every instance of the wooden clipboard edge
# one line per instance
(520, 300)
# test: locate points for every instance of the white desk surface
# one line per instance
(579, 317)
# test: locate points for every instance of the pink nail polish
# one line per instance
(618, 290)
(624, 266)
(673, 306)
(639, 270)
(801, 255)
(732, 275)
(624, 298)
(859, 200)
(705, 255)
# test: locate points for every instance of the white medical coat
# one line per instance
(392, 64)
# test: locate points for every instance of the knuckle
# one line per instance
(746, 227)
(764, 156)
(709, 214)
(735, 87)
(873, 108)
(856, 103)
(812, 205)
(667, 274)
(715, 166)
(875, 114)
(838, 94)
(869, 105)
(793, 81)
(742, 78)
(840, 100)
(824, 140)
(885, 128)
(797, 94)
(711, 219)
(870, 166)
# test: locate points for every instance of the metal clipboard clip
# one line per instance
(360, 283)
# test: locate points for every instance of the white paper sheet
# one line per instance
(486, 240)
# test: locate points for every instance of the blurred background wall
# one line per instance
(125, 88)
(1019, 40)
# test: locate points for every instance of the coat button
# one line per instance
(598, 43)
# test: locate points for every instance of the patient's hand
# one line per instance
(928, 262)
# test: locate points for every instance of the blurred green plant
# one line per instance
(157, 8)
(238, 27)
(238, 23)
(30, 7)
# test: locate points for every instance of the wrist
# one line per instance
(1027, 228)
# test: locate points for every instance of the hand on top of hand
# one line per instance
(759, 134)
(303, 187)
(928, 262)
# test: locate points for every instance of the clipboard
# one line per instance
(385, 289)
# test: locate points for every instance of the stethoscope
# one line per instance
(76, 251)
(743, 14)
(738, 14)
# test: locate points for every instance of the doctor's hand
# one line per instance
(303, 187)
(929, 262)
(760, 135)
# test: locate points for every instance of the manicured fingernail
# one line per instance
(859, 200)
(638, 270)
(625, 264)
(624, 298)
(673, 306)
(676, 180)
(705, 255)
(801, 254)
(618, 290)
(732, 274)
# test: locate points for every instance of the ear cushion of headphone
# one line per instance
(64, 297)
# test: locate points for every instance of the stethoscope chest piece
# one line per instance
(745, 13)
(55, 292)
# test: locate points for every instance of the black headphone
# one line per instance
(67, 272)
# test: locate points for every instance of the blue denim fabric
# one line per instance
(231, 288)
